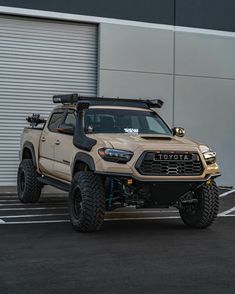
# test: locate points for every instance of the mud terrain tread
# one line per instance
(208, 210)
(32, 190)
(93, 202)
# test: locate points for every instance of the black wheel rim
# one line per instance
(22, 181)
(77, 202)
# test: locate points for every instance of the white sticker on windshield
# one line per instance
(135, 131)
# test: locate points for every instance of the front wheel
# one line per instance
(203, 213)
(86, 202)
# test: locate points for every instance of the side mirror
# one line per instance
(179, 132)
(66, 129)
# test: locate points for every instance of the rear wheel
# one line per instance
(28, 186)
(203, 213)
(86, 202)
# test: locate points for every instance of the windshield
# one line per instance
(124, 121)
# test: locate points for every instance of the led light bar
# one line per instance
(75, 98)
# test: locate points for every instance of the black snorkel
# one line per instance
(80, 139)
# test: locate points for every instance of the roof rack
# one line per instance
(75, 98)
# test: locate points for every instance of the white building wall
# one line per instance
(136, 62)
(205, 92)
(192, 69)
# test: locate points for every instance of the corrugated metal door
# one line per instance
(39, 58)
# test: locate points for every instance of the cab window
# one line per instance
(56, 120)
(70, 118)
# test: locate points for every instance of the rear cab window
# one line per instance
(70, 118)
(56, 120)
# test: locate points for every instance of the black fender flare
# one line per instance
(28, 145)
(85, 158)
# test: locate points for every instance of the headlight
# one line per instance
(115, 155)
(209, 155)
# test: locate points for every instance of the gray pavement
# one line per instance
(144, 251)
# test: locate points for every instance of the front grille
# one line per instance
(150, 164)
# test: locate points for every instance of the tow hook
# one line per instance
(183, 204)
(186, 200)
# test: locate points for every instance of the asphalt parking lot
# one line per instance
(143, 251)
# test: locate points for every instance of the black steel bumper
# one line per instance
(165, 192)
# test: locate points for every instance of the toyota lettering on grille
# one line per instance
(172, 157)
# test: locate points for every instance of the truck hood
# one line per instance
(146, 142)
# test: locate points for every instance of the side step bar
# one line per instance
(55, 183)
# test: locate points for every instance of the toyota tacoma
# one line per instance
(112, 152)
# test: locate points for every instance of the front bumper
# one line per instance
(164, 193)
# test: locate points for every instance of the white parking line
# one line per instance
(9, 200)
(28, 204)
(227, 193)
(66, 207)
(142, 211)
(33, 208)
(106, 219)
(141, 218)
(44, 195)
(42, 201)
(226, 212)
(151, 218)
(36, 222)
(33, 215)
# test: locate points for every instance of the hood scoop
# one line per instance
(156, 137)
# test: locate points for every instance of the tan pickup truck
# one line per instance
(110, 153)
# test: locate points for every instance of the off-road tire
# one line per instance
(205, 211)
(28, 186)
(87, 202)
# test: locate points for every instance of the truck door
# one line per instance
(48, 142)
(63, 149)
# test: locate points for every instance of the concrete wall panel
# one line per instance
(136, 62)
(134, 85)
(136, 49)
(139, 62)
(205, 54)
(205, 107)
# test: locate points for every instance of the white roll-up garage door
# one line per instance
(38, 59)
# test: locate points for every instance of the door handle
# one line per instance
(43, 139)
(57, 142)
